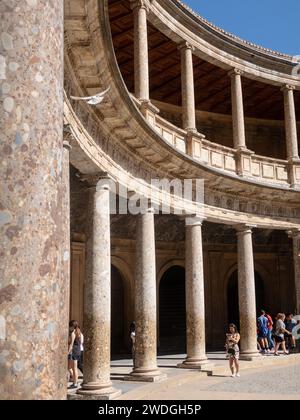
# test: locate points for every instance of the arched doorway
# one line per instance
(233, 297)
(117, 313)
(172, 323)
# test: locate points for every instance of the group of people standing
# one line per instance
(271, 336)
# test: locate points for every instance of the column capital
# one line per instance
(67, 137)
(139, 4)
(294, 233)
(235, 72)
(285, 88)
(184, 45)
(244, 228)
(98, 181)
(194, 220)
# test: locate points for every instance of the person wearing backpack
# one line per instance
(263, 332)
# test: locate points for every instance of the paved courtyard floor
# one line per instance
(268, 378)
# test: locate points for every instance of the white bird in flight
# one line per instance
(92, 100)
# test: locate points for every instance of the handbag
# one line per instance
(231, 351)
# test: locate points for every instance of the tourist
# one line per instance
(270, 332)
(233, 351)
(290, 324)
(263, 332)
(279, 334)
(74, 352)
(132, 338)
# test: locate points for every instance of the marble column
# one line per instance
(33, 337)
(195, 299)
(145, 301)
(97, 297)
(66, 243)
(238, 120)
(141, 59)
(290, 123)
(296, 255)
(247, 299)
(187, 87)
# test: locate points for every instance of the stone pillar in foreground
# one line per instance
(187, 87)
(247, 299)
(141, 59)
(33, 284)
(145, 301)
(97, 297)
(195, 299)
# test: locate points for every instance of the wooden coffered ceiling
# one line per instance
(212, 84)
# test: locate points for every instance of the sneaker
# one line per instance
(233, 375)
(238, 375)
(73, 386)
(276, 354)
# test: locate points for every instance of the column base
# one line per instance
(250, 357)
(94, 391)
(143, 375)
(192, 363)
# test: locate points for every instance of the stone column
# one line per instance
(66, 243)
(97, 297)
(187, 87)
(145, 301)
(195, 299)
(290, 123)
(247, 300)
(141, 60)
(33, 337)
(238, 121)
(296, 255)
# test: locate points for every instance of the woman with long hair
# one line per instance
(233, 350)
(74, 351)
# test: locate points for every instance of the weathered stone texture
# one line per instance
(33, 288)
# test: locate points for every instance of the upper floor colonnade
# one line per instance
(141, 88)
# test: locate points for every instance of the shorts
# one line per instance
(235, 356)
(74, 357)
(262, 335)
(278, 339)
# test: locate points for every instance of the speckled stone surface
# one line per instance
(33, 286)
(97, 297)
(195, 304)
(246, 286)
(296, 254)
(141, 60)
(145, 297)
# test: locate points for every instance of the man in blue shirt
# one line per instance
(263, 330)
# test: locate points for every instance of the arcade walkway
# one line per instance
(266, 378)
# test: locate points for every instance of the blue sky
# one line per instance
(273, 24)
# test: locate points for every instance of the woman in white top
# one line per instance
(279, 334)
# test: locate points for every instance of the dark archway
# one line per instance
(172, 320)
(117, 313)
(233, 297)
